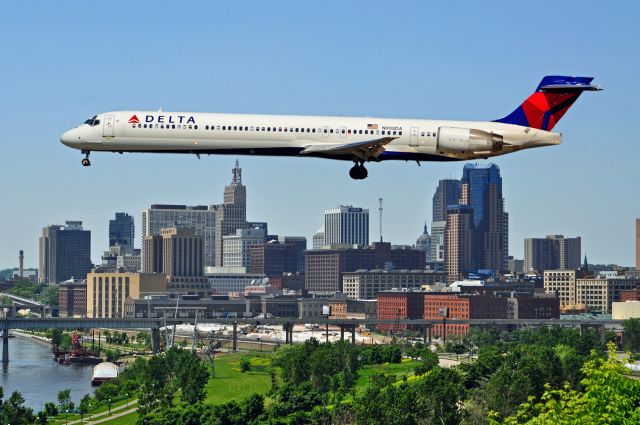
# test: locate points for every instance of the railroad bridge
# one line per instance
(345, 325)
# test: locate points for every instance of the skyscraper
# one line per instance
(65, 252)
(482, 190)
(555, 252)
(175, 252)
(447, 193)
(201, 218)
(232, 213)
(121, 230)
(459, 257)
(346, 225)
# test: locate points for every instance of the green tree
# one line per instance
(608, 397)
(15, 411)
(428, 360)
(49, 295)
(85, 404)
(64, 400)
(192, 376)
(50, 408)
(56, 338)
(245, 364)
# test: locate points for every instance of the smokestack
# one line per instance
(21, 257)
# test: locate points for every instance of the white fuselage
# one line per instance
(291, 135)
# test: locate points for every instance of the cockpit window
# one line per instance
(93, 121)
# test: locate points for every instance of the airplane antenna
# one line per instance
(380, 211)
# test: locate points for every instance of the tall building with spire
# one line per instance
(232, 213)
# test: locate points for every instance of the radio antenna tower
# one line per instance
(380, 211)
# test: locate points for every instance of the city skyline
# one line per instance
(422, 69)
(97, 238)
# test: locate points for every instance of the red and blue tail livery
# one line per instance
(553, 97)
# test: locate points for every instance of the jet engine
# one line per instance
(467, 141)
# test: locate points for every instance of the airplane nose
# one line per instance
(70, 138)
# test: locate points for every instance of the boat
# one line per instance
(105, 371)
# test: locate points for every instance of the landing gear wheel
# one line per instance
(85, 161)
(358, 172)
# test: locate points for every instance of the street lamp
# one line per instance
(127, 399)
(109, 406)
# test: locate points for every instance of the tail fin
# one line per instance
(553, 97)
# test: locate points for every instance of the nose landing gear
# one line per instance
(85, 160)
(358, 172)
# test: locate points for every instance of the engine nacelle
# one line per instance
(467, 140)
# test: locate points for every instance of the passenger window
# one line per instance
(325, 131)
(400, 133)
(280, 129)
(206, 127)
(331, 131)
(359, 131)
(235, 128)
(173, 126)
(297, 130)
(262, 128)
(423, 134)
(190, 127)
(366, 132)
(145, 126)
(383, 132)
(342, 131)
(252, 128)
(156, 125)
(291, 129)
(224, 127)
(394, 133)
(139, 125)
(195, 127)
(348, 131)
(313, 130)
(285, 129)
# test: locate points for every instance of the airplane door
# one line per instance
(325, 131)
(109, 122)
(413, 138)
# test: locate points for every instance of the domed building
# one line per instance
(424, 241)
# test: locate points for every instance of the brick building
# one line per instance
(324, 268)
(399, 305)
(72, 299)
(461, 307)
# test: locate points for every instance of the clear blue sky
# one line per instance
(63, 62)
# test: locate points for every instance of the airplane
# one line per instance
(357, 139)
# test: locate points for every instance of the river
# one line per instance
(33, 372)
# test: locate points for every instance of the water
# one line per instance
(33, 372)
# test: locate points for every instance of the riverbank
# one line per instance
(42, 340)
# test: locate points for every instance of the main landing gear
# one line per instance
(85, 161)
(358, 172)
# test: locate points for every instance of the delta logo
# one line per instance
(134, 120)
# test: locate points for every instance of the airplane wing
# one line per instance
(362, 150)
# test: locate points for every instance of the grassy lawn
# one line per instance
(60, 419)
(230, 384)
(404, 368)
(129, 419)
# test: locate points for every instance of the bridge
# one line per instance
(349, 325)
(20, 302)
